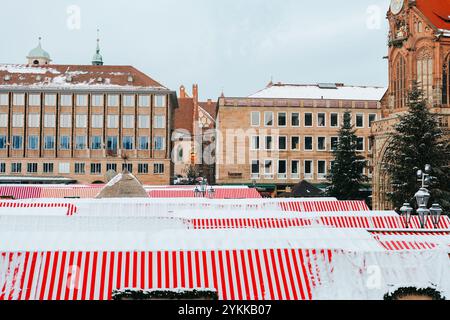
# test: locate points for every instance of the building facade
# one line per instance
(74, 123)
(419, 51)
(286, 133)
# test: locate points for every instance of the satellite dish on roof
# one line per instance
(110, 174)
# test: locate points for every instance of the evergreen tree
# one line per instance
(346, 174)
(417, 141)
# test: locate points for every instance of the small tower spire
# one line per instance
(97, 60)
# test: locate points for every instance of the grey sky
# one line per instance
(236, 45)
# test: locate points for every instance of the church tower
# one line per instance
(418, 51)
(38, 56)
(97, 59)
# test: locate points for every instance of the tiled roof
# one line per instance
(436, 11)
(184, 115)
(76, 77)
(210, 107)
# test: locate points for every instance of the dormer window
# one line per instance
(36, 62)
(7, 77)
(130, 78)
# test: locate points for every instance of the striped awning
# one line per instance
(71, 208)
(272, 274)
(324, 206)
(225, 193)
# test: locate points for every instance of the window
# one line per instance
(65, 120)
(97, 100)
(334, 120)
(144, 101)
(17, 142)
(372, 119)
(143, 143)
(33, 142)
(308, 120)
(127, 166)
(295, 143)
(321, 144)
(321, 120)
(81, 121)
(113, 100)
(64, 143)
(144, 122)
(2, 142)
(282, 143)
(360, 144)
(268, 119)
(111, 167)
(308, 169)
(160, 101)
(4, 99)
(160, 122)
(50, 120)
(334, 142)
(160, 143)
(321, 169)
(127, 143)
(268, 169)
(255, 169)
(50, 100)
(47, 167)
(255, 119)
(111, 143)
(82, 100)
(158, 168)
(49, 142)
(142, 168)
(32, 167)
(399, 84)
(34, 120)
(3, 120)
(425, 74)
(96, 142)
(66, 100)
(113, 121)
(18, 99)
(80, 142)
(269, 142)
(97, 121)
(360, 120)
(16, 167)
(34, 100)
(282, 169)
(80, 168)
(128, 121)
(282, 119)
(64, 167)
(255, 143)
(2, 167)
(308, 143)
(295, 169)
(96, 168)
(128, 100)
(371, 141)
(295, 119)
(17, 120)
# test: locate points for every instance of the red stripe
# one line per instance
(214, 270)
(190, 269)
(237, 273)
(244, 271)
(67, 291)
(183, 279)
(205, 269)
(266, 262)
(44, 279)
(197, 269)
(111, 275)
(103, 277)
(119, 271)
(93, 279)
(174, 269)
(222, 276)
(276, 274)
(159, 269)
(167, 269)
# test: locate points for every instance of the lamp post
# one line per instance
(204, 190)
(422, 198)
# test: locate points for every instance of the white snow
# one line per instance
(10, 68)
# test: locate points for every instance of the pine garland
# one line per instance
(412, 291)
(130, 294)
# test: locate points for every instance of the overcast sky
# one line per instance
(234, 45)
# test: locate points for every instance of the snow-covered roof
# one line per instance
(320, 91)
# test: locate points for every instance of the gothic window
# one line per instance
(425, 74)
(446, 82)
(399, 82)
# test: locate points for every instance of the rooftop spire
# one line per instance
(97, 60)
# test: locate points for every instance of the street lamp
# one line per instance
(423, 213)
(436, 212)
(407, 211)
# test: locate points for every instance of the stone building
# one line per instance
(285, 133)
(419, 51)
(74, 123)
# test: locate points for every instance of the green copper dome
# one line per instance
(97, 59)
(38, 53)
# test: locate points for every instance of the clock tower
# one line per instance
(418, 51)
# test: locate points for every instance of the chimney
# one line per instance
(182, 92)
(195, 92)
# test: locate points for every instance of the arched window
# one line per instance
(399, 83)
(446, 81)
(425, 74)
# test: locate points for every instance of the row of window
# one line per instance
(81, 100)
(112, 121)
(281, 144)
(266, 169)
(128, 143)
(80, 168)
(308, 119)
